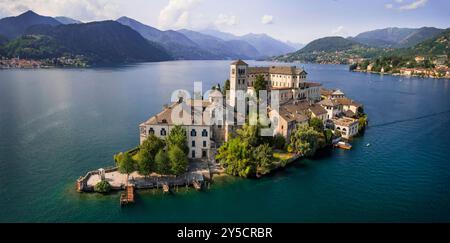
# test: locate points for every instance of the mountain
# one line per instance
(233, 49)
(66, 20)
(267, 45)
(330, 44)
(439, 45)
(264, 44)
(435, 53)
(296, 46)
(174, 42)
(330, 50)
(106, 42)
(397, 37)
(219, 34)
(13, 27)
(3, 40)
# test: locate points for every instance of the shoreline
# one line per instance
(398, 74)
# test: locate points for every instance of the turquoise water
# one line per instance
(57, 124)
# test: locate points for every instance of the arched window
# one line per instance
(151, 131)
(193, 133)
(204, 133)
(163, 132)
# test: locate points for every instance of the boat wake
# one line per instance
(410, 119)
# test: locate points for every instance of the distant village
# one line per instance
(420, 66)
(24, 63)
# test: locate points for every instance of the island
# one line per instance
(198, 137)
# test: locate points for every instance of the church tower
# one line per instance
(238, 79)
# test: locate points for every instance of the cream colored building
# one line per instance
(199, 135)
(295, 113)
(290, 82)
(333, 108)
(348, 127)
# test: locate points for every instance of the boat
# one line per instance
(368, 145)
(343, 145)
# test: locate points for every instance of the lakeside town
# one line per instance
(194, 139)
(23, 63)
(419, 66)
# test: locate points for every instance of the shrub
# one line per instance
(102, 187)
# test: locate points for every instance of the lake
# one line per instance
(57, 124)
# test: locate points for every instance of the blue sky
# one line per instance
(294, 20)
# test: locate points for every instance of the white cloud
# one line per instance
(267, 19)
(226, 20)
(402, 5)
(414, 5)
(339, 31)
(79, 9)
(176, 14)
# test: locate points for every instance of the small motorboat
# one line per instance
(343, 145)
(368, 145)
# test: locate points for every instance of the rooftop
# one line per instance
(345, 122)
(281, 70)
(347, 102)
(239, 62)
(329, 103)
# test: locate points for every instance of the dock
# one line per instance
(166, 188)
(197, 185)
(127, 197)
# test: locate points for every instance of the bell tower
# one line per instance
(238, 79)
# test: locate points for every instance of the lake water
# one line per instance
(57, 124)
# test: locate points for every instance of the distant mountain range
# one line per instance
(334, 49)
(397, 37)
(69, 40)
(127, 40)
(368, 45)
(13, 27)
(105, 42)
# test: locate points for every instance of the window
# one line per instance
(204, 144)
(193, 133)
(163, 132)
(233, 71)
(193, 153)
(151, 131)
(193, 144)
(205, 133)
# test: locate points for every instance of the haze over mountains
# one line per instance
(30, 35)
(179, 45)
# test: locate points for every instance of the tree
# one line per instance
(226, 87)
(328, 136)
(260, 84)
(279, 142)
(235, 155)
(305, 140)
(126, 164)
(363, 123)
(147, 153)
(178, 138)
(178, 161)
(162, 163)
(263, 155)
(317, 124)
(102, 187)
(250, 134)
